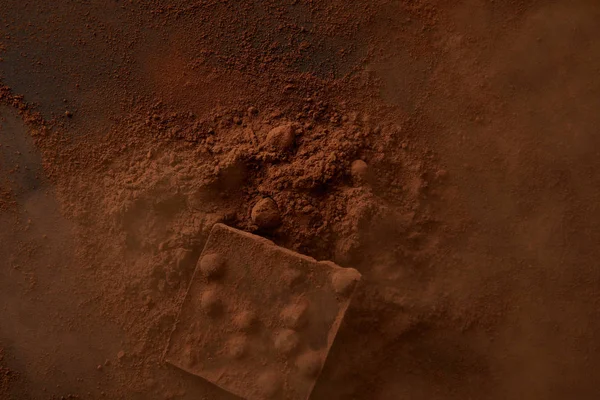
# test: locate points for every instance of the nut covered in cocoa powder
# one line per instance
(265, 214)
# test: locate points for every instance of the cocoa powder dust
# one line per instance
(445, 150)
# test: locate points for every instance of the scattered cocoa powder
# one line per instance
(475, 232)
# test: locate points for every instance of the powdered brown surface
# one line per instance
(129, 128)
